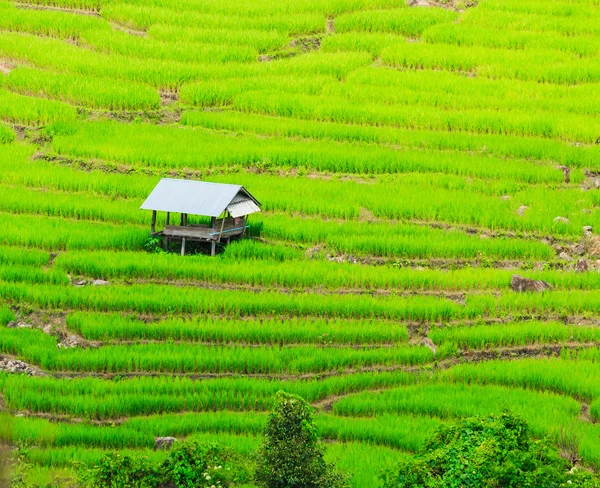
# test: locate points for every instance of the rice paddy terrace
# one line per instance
(410, 160)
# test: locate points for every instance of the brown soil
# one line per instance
(168, 97)
(584, 416)
(6, 66)
(127, 30)
(94, 13)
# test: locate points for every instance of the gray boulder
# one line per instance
(521, 284)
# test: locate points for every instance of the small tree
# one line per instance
(291, 455)
(487, 452)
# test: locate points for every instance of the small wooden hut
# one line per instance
(228, 207)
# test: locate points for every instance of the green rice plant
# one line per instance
(144, 16)
(19, 168)
(399, 431)
(109, 399)
(238, 264)
(193, 358)
(336, 109)
(84, 206)
(571, 23)
(546, 413)
(47, 23)
(365, 461)
(117, 42)
(23, 256)
(495, 63)
(32, 111)
(371, 42)
(268, 331)
(34, 276)
(161, 299)
(60, 233)
(74, 4)
(232, 269)
(83, 90)
(513, 334)
(498, 145)
(476, 35)
(574, 378)
(7, 135)
(6, 315)
(410, 22)
(259, 40)
(403, 160)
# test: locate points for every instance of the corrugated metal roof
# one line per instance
(194, 197)
(243, 207)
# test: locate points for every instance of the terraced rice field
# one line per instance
(410, 160)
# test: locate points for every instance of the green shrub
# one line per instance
(291, 455)
(488, 451)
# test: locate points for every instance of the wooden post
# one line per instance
(182, 220)
(183, 246)
(153, 226)
(213, 248)
(221, 231)
(166, 238)
(185, 219)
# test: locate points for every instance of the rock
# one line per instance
(163, 442)
(520, 284)
(522, 209)
(595, 247)
(69, 343)
(15, 366)
(427, 342)
(419, 3)
(505, 197)
(582, 266)
(24, 325)
(11, 325)
(81, 283)
(561, 219)
(566, 171)
(578, 250)
(100, 283)
(484, 236)
(587, 230)
(565, 256)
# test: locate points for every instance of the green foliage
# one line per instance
(291, 455)
(188, 464)
(121, 471)
(202, 465)
(488, 451)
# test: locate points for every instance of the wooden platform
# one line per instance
(200, 232)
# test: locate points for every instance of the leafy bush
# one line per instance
(188, 464)
(118, 471)
(199, 464)
(488, 451)
(291, 455)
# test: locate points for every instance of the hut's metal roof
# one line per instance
(200, 198)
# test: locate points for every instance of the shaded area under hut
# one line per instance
(228, 207)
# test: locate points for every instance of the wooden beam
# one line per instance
(153, 226)
(166, 239)
(221, 231)
(213, 248)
